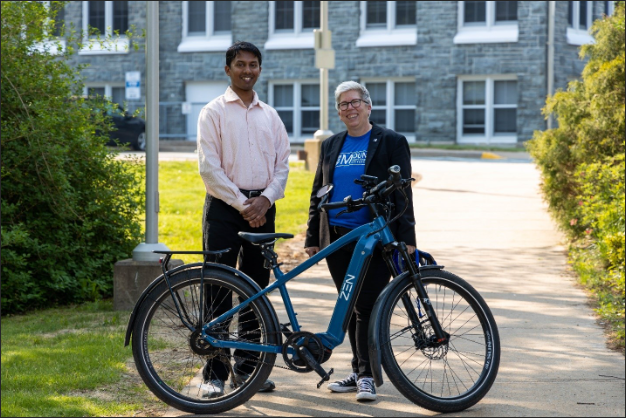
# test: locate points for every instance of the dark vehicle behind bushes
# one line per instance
(124, 128)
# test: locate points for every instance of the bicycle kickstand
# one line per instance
(304, 354)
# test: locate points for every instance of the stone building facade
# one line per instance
(439, 72)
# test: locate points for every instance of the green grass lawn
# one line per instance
(71, 361)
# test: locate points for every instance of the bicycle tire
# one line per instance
(452, 377)
(162, 345)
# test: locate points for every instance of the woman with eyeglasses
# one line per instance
(364, 148)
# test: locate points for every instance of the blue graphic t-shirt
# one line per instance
(350, 165)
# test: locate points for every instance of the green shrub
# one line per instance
(582, 165)
(69, 209)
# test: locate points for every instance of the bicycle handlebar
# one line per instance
(379, 192)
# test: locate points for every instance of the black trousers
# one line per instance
(220, 226)
(375, 280)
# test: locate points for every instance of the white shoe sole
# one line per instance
(364, 396)
(341, 389)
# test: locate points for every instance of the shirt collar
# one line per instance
(231, 96)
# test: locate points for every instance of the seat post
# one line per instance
(271, 258)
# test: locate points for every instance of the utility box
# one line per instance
(312, 147)
(131, 278)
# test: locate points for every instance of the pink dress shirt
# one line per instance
(242, 148)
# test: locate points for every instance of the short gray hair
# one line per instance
(349, 86)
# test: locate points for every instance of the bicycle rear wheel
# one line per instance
(177, 364)
(449, 377)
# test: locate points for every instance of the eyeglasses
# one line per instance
(356, 103)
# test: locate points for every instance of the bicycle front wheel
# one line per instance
(443, 378)
(179, 366)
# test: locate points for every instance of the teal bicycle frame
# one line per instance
(367, 237)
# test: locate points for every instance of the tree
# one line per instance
(69, 208)
(582, 165)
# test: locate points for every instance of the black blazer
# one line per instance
(386, 148)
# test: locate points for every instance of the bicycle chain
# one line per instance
(247, 358)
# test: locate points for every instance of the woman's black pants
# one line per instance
(376, 278)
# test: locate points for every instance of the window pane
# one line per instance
(475, 12)
(570, 13)
(284, 15)
(376, 14)
(404, 94)
(310, 14)
(379, 117)
(197, 17)
(405, 13)
(506, 11)
(582, 15)
(405, 120)
(287, 117)
(310, 121)
(378, 93)
(120, 16)
(505, 121)
(118, 95)
(283, 96)
(474, 92)
(96, 15)
(473, 121)
(59, 20)
(310, 95)
(95, 91)
(505, 92)
(221, 16)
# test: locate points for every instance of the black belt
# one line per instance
(340, 230)
(251, 193)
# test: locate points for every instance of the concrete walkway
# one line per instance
(486, 222)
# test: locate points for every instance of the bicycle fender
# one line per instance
(161, 278)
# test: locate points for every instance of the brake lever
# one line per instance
(341, 213)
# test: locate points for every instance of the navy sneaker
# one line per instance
(212, 388)
(366, 390)
(344, 386)
(268, 386)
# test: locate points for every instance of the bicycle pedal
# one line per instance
(326, 378)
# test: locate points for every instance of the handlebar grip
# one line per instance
(333, 205)
(394, 171)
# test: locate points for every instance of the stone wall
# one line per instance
(435, 62)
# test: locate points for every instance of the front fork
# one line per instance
(441, 337)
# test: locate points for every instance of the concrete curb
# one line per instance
(190, 146)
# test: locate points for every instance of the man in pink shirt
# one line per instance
(243, 153)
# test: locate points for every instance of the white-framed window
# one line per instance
(487, 109)
(110, 19)
(206, 26)
(291, 24)
(55, 43)
(298, 105)
(487, 22)
(116, 92)
(579, 18)
(388, 23)
(393, 104)
(609, 8)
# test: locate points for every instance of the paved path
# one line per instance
(486, 222)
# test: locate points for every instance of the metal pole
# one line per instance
(550, 81)
(324, 60)
(323, 70)
(144, 251)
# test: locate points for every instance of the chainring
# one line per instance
(312, 343)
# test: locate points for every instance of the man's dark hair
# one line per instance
(239, 46)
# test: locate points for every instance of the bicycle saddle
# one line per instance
(262, 238)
